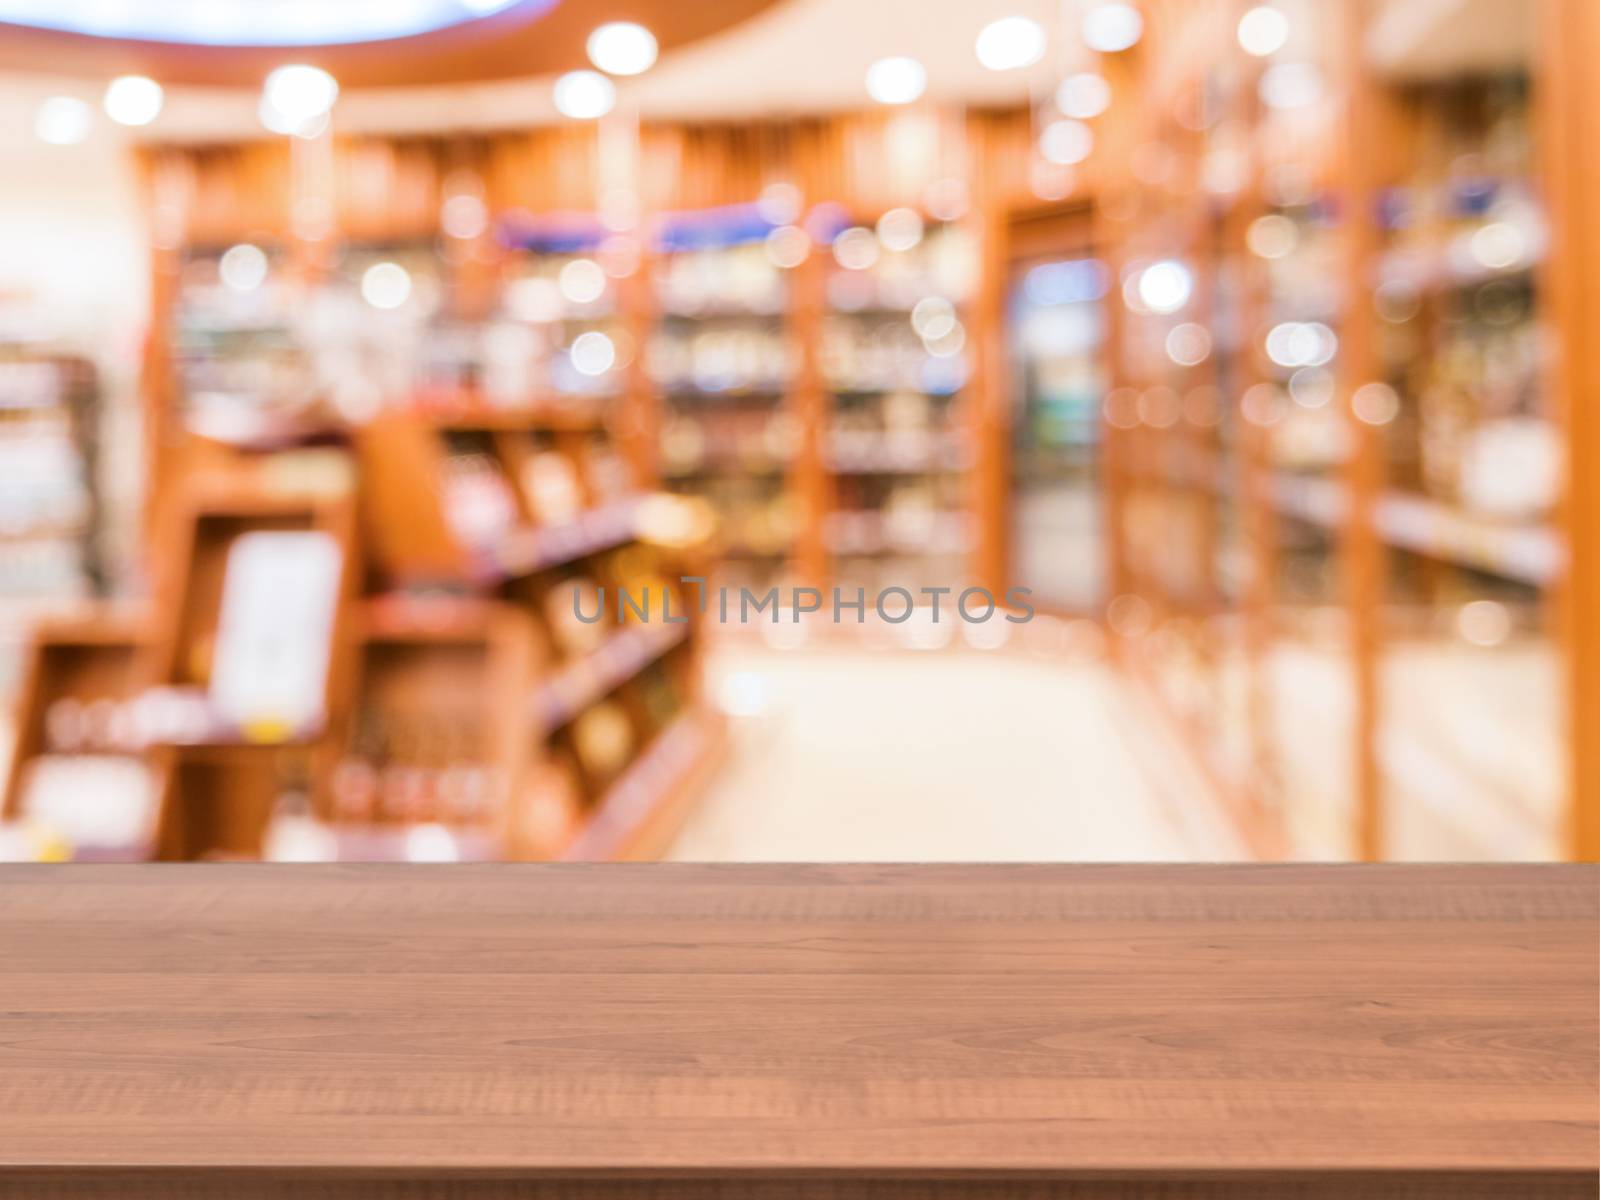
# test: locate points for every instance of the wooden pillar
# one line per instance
(811, 403)
(1361, 555)
(1568, 97)
(988, 401)
(167, 185)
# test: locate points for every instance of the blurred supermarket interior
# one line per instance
(1220, 367)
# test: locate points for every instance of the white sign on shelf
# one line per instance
(275, 631)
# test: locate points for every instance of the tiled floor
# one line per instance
(859, 754)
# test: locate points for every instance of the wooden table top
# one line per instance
(1049, 1022)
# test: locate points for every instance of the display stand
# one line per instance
(450, 714)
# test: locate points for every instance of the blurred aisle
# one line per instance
(855, 754)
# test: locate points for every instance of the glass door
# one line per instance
(1057, 334)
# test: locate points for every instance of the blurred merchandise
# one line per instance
(49, 455)
(725, 360)
(434, 456)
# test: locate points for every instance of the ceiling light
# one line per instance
(133, 100)
(1263, 31)
(1110, 28)
(274, 120)
(252, 22)
(1010, 43)
(584, 95)
(296, 98)
(1083, 96)
(62, 121)
(897, 80)
(385, 285)
(622, 48)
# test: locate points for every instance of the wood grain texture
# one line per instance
(503, 1031)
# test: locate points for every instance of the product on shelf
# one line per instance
(550, 481)
(477, 497)
(577, 615)
(894, 359)
(49, 536)
(725, 359)
(409, 767)
(89, 805)
(1457, 306)
(603, 739)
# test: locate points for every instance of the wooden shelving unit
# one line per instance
(1312, 497)
(792, 458)
(76, 760)
(462, 713)
(474, 718)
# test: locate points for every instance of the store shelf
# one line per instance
(1527, 552)
(1530, 554)
(709, 397)
(526, 551)
(198, 725)
(725, 465)
(1431, 270)
(580, 684)
(424, 617)
(1318, 501)
(641, 810)
(473, 414)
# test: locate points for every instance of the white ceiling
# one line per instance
(812, 55)
(799, 56)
